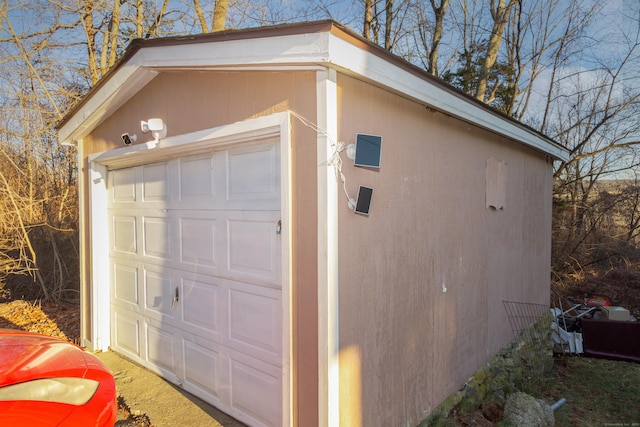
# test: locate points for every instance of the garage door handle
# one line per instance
(176, 298)
(279, 227)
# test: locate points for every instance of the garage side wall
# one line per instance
(423, 278)
(192, 101)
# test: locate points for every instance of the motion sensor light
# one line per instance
(156, 126)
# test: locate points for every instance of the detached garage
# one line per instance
(239, 240)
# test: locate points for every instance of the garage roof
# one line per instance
(294, 46)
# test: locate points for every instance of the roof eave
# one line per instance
(323, 43)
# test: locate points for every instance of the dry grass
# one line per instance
(49, 319)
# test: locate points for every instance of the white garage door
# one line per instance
(196, 283)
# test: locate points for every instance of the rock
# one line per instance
(524, 410)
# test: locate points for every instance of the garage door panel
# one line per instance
(124, 232)
(253, 247)
(157, 237)
(255, 390)
(123, 184)
(197, 241)
(160, 345)
(126, 333)
(202, 369)
(125, 286)
(158, 293)
(200, 301)
(155, 187)
(255, 322)
(198, 177)
(253, 173)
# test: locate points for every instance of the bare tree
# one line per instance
(425, 33)
(500, 11)
(219, 15)
(388, 24)
(439, 11)
(46, 66)
(37, 177)
(369, 23)
(199, 12)
(598, 121)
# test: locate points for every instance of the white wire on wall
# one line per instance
(336, 159)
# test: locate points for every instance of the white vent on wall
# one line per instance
(496, 184)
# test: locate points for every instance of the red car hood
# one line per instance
(25, 357)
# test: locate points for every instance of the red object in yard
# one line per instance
(46, 382)
(598, 301)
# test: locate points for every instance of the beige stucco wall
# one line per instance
(423, 277)
(191, 101)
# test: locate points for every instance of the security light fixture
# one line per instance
(157, 127)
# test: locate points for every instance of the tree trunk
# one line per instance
(204, 27)
(368, 18)
(388, 24)
(90, 33)
(114, 33)
(220, 15)
(439, 12)
(139, 19)
(153, 31)
(499, 13)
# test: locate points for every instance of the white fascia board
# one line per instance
(298, 49)
(304, 51)
(372, 67)
(105, 101)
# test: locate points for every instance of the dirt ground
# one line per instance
(162, 403)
